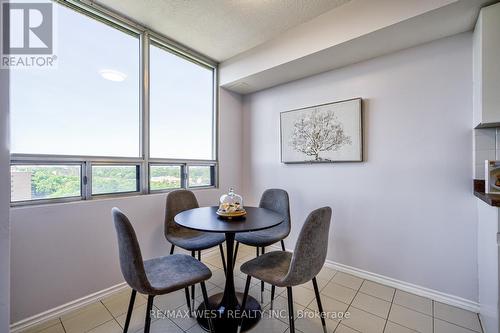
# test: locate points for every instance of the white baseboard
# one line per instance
(402, 285)
(435, 295)
(65, 308)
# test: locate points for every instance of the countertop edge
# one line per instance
(490, 199)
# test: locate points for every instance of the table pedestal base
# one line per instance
(226, 322)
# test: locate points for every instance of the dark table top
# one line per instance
(206, 219)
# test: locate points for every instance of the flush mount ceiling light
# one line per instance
(113, 75)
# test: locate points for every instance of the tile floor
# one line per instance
(372, 307)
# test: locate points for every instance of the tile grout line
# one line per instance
(390, 308)
(350, 304)
(432, 302)
(64, 328)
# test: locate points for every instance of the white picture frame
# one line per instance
(325, 133)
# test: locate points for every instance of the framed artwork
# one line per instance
(323, 133)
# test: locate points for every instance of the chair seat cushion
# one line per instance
(193, 240)
(174, 272)
(263, 237)
(271, 267)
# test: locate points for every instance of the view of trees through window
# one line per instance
(164, 177)
(200, 175)
(115, 179)
(35, 182)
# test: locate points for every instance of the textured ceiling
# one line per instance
(221, 29)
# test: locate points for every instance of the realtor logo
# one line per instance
(27, 34)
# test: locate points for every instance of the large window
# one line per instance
(89, 104)
(181, 111)
(78, 131)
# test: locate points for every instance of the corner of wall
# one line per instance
(4, 203)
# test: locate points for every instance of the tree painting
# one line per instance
(316, 132)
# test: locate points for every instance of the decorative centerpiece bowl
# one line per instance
(231, 205)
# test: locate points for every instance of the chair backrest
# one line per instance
(131, 262)
(311, 248)
(277, 201)
(177, 201)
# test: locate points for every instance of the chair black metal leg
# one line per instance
(172, 249)
(290, 309)
(223, 258)
(147, 324)
(199, 255)
(273, 290)
(262, 282)
(193, 305)
(257, 248)
(188, 302)
(235, 253)
(320, 307)
(130, 309)
(283, 245)
(205, 299)
(244, 301)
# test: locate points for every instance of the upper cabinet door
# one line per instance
(486, 64)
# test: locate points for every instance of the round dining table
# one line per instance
(227, 305)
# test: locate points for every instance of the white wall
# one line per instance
(408, 211)
(4, 203)
(66, 251)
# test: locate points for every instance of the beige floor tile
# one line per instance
(214, 259)
(391, 327)
(377, 290)
(302, 296)
(411, 319)
(296, 330)
(239, 284)
(57, 328)
(269, 325)
(182, 319)
(321, 284)
(196, 329)
(345, 329)
(279, 290)
(314, 325)
(341, 293)
(86, 318)
(172, 301)
(280, 309)
(414, 302)
(441, 326)
(330, 305)
(326, 273)
(137, 320)
(363, 321)
(218, 278)
(347, 280)
(244, 258)
(108, 327)
(255, 293)
(117, 304)
(163, 326)
(42, 326)
(372, 305)
(457, 316)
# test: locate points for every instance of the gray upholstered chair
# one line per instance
(190, 240)
(275, 200)
(155, 276)
(285, 269)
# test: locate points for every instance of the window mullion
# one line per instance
(145, 112)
